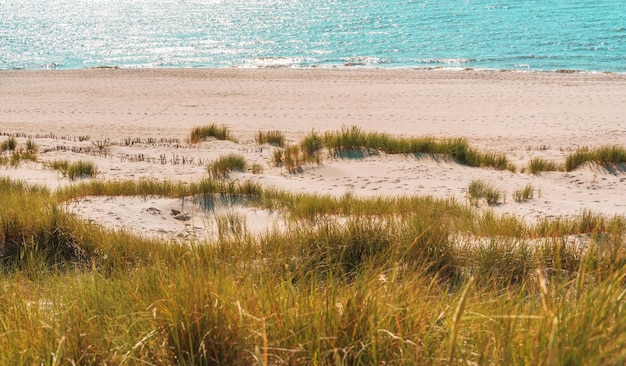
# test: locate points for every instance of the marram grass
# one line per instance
(221, 167)
(75, 170)
(479, 190)
(351, 139)
(344, 284)
(605, 155)
(537, 165)
(202, 133)
(274, 138)
(524, 194)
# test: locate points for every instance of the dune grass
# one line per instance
(221, 167)
(605, 155)
(31, 146)
(524, 194)
(312, 144)
(11, 153)
(201, 133)
(537, 165)
(274, 138)
(477, 190)
(9, 144)
(393, 287)
(406, 280)
(75, 170)
(293, 158)
(354, 139)
(352, 142)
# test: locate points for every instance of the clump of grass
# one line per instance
(537, 165)
(60, 165)
(226, 164)
(274, 138)
(524, 194)
(497, 161)
(30, 222)
(75, 170)
(606, 155)
(230, 225)
(277, 158)
(349, 138)
(151, 187)
(502, 263)
(312, 144)
(354, 139)
(199, 134)
(257, 168)
(31, 146)
(478, 190)
(82, 169)
(17, 153)
(9, 144)
(293, 158)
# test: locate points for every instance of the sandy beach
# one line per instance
(144, 116)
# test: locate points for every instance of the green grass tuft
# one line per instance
(9, 144)
(605, 155)
(524, 194)
(351, 139)
(75, 170)
(478, 190)
(199, 134)
(312, 144)
(274, 138)
(226, 164)
(31, 146)
(537, 165)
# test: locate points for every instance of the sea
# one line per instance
(545, 35)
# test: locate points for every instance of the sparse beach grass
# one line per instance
(354, 139)
(477, 190)
(229, 163)
(537, 165)
(274, 138)
(524, 194)
(293, 158)
(605, 155)
(75, 170)
(352, 281)
(352, 142)
(9, 144)
(12, 154)
(199, 134)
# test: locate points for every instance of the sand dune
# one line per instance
(521, 114)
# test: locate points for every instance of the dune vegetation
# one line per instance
(202, 133)
(347, 281)
(407, 280)
(604, 155)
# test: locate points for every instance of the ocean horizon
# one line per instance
(550, 35)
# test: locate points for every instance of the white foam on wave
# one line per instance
(446, 61)
(268, 62)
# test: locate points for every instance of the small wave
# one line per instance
(269, 62)
(364, 61)
(445, 61)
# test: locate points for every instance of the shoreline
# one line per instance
(328, 67)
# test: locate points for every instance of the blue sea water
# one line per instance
(587, 35)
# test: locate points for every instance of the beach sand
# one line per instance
(144, 116)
